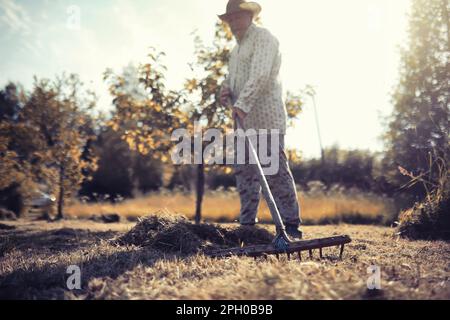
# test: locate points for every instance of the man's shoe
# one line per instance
(293, 231)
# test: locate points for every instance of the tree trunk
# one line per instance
(60, 214)
(200, 190)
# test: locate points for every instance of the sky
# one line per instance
(348, 50)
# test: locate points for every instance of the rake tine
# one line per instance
(262, 251)
(342, 251)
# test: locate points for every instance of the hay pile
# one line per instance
(172, 233)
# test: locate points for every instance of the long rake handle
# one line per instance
(276, 217)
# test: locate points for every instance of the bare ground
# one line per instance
(34, 257)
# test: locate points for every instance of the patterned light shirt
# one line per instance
(254, 80)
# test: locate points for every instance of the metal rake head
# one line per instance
(281, 245)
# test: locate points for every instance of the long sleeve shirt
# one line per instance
(253, 78)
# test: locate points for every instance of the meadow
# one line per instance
(317, 207)
(35, 255)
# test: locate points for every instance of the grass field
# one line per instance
(34, 256)
(223, 206)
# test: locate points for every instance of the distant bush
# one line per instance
(430, 218)
(14, 197)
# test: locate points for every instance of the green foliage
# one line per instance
(17, 151)
(145, 112)
(45, 141)
(429, 219)
(121, 172)
(418, 133)
(418, 129)
(113, 177)
(210, 68)
(346, 168)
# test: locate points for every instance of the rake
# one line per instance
(281, 244)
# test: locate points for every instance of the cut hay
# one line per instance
(177, 234)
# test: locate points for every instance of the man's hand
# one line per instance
(225, 100)
(238, 112)
(225, 97)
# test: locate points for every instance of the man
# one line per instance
(254, 89)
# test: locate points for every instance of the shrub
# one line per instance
(430, 218)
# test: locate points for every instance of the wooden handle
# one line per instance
(236, 118)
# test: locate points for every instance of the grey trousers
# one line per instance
(281, 184)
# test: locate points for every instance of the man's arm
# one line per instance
(225, 99)
(265, 51)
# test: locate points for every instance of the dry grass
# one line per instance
(34, 261)
(220, 206)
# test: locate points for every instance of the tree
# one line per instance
(121, 172)
(417, 137)
(346, 168)
(11, 99)
(113, 177)
(144, 116)
(210, 68)
(18, 147)
(60, 114)
(145, 120)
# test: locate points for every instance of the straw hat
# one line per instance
(234, 6)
